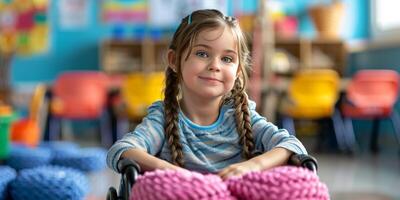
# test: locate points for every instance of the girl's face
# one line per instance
(212, 66)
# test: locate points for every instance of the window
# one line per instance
(385, 19)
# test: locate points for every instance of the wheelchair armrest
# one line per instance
(129, 170)
(304, 160)
(125, 163)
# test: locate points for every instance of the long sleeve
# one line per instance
(148, 135)
(268, 136)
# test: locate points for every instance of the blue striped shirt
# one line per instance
(205, 148)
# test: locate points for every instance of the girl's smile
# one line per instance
(210, 80)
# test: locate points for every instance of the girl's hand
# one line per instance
(275, 157)
(164, 165)
(239, 169)
(148, 162)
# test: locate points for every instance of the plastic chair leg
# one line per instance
(339, 130)
(374, 136)
(55, 128)
(288, 124)
(122, 127)
(105, 130)
(350, 135)
(113, 125)
(395, 118)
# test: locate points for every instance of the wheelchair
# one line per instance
(130, 171)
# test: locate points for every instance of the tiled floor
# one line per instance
(100, 182)
(361, 177)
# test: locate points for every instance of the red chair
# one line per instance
(371, 95)
(79, 95)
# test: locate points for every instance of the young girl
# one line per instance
(206, 122)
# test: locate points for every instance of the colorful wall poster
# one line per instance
(124, 11)
(24, 27)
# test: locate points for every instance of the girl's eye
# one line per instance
(227, 59)
(202, 54)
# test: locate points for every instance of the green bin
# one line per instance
(5, 122)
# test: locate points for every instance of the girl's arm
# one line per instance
(275, 157)
(139, 145)
(146, 161)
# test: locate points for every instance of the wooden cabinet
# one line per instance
(121, 56)
(309, 53)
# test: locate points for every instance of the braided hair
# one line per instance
(184, 39)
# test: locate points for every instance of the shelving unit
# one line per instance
(315, 53)
(122, 56)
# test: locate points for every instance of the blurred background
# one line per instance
(76, 75)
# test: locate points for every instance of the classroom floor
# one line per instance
(363, 177)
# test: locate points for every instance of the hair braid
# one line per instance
(171, 117)
(242, 115)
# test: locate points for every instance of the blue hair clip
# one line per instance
(190, 19)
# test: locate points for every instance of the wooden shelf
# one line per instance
(314, 53)
(121, 56)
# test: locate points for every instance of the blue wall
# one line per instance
(387, 58)
(383, 57)
(78, 49)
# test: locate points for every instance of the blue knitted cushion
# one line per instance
(87, 159)
(60, 148)
(7, 174)
(25, 157)
(50, 183)
(59, 145)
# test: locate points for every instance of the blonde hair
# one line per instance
(183, 39)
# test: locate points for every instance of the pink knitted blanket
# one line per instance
(182, 185)
(280, 183)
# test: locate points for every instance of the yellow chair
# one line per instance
(137, 92)
(312, 95)
(140, 90)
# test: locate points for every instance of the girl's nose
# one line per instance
(214, 65)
